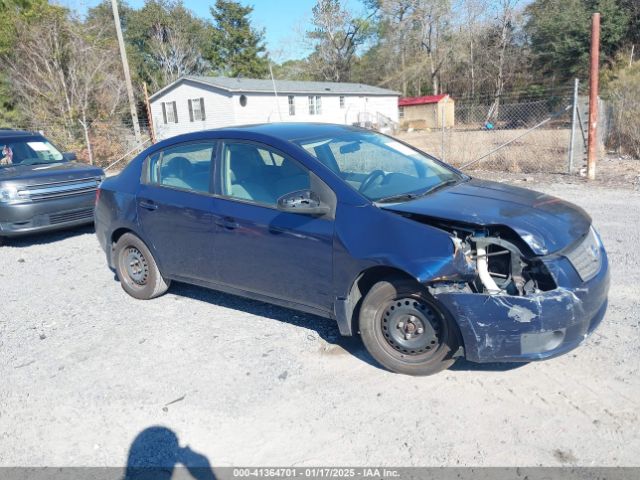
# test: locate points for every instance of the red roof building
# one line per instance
(428, 112)
(426, 100)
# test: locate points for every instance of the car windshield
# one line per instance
(27, 151)
(379, 167)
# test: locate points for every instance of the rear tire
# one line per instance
(137, 270)
(405, 330)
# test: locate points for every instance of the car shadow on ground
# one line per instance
(156, 452)
(46, 238)
(327, 329)
(463, 365)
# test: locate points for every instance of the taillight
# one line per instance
(98, 190)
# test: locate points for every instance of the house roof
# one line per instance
(408, 101)
(253, 85)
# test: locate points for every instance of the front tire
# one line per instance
(403, 328)
(137, 270)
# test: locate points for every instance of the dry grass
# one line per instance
(538, 151)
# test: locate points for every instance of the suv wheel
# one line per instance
(137, 270)
(404, 330)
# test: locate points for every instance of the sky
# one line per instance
(284, 21)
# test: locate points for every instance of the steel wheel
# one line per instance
(410, 326)
(136, 266)
(405, 330)
(137, 269)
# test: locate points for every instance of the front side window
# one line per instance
(169, 112)
(196, 109)
(187, 167)
(379, 167)
(28, 151)
(259, 174)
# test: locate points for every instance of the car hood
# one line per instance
(545, 223)
(47, 173)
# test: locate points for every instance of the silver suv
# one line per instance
(40, 187)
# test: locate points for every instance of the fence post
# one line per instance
(442, 149)
(592, 150)
(574, 119)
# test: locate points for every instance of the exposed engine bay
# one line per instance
(501, 267)
(495, 261)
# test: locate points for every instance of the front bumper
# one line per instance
(503, 328)
(25, 218)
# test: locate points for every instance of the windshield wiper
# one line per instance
(405, 197)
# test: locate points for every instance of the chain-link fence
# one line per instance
(515, 133)
(104, 143)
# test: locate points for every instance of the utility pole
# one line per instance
(592, 151)
(127, 74)
(275, 90)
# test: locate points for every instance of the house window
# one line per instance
(318, 105)
(196, 110)
(243, 100)
(401, 112)
(292, 105)
(169, 112)
(341, 101)
(312, 105)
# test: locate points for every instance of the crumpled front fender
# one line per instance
(513, 328)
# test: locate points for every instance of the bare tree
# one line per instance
(64, 75)
(335, 38)
(505, 20)
(175, 52)
(433, 17)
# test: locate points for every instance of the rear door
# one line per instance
(259, 248)
(175, 209)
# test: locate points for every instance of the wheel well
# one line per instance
(361, 286)
(115, 236)
(367, 279)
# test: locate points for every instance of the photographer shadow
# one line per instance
(156, 453)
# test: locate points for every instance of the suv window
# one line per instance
(28, 151)
(187, 167)
(259, 174)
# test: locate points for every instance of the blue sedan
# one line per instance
(424, 262)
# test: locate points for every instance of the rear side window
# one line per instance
(186, 167)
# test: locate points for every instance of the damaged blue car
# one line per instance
(425, 263)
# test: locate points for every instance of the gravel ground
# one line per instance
(85, 369)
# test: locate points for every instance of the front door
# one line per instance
(175, 210)
(261, 249)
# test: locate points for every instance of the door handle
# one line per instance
(227, 222)
(148, 205)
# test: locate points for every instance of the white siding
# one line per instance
(224, 109)
(217, 109)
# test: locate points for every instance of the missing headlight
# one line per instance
(502, 268)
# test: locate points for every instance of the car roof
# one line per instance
(8, 132)
(294, 130)
(282, 131)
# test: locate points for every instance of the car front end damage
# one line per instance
(513, 305)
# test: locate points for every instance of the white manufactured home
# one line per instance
(198, 103)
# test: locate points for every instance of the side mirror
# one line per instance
(70, 156)
(304, 202)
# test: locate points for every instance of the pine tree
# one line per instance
(236, 49)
